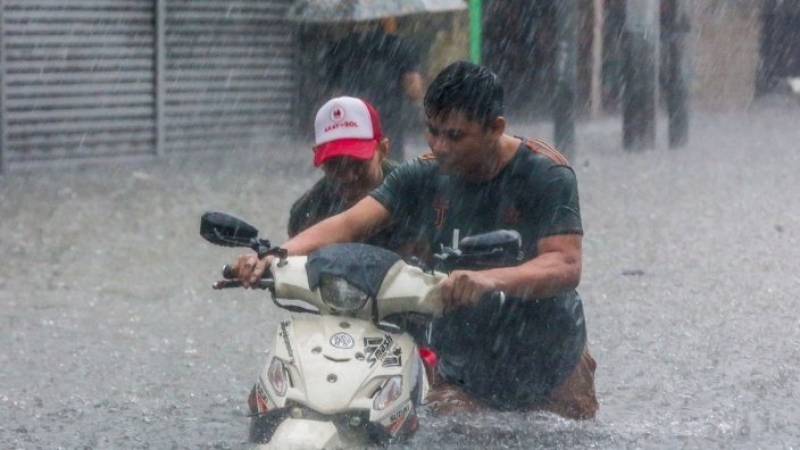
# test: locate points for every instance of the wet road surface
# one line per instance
(110, 336)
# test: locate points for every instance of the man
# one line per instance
(528, 351)
(375, 64)
(352, 152)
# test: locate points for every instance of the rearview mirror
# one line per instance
(226, 230)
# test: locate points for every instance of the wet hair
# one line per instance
(466, 87)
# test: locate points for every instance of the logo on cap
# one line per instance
(337, 114)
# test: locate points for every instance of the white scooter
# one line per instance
(348, 377)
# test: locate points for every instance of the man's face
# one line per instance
(460, 145)
(353, 178)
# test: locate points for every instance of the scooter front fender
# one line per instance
(303, 434)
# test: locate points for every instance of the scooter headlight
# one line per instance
(340, 295)
(278, 377)
(392, 390)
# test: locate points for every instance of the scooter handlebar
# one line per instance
(227, 272)
(264, 283)
(230, 280)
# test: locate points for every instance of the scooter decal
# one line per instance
(285, 335)
(376, 352)
(395, 359)
(342, 340)
(397, 419)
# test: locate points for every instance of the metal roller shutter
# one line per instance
(229, 73)
(77, 78)
(112, 78)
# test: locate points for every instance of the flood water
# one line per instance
(110, 336)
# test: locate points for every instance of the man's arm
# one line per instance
(362, 220)
(556, 269)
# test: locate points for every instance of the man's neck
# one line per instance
(506, 149)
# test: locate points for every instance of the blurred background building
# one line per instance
(135, 78)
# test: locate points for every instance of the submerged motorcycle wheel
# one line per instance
(358, 432)
(263, 427)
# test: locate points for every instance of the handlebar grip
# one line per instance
(264, 283)
(225, 284)
(227, 272)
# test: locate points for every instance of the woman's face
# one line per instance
(351, 178)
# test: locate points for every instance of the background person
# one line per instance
(374, 63)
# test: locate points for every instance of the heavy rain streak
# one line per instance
(110, 333)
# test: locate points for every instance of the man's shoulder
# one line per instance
(427, 156)
(544, 149)
(422, 163)
(388, 165)
(538, 164)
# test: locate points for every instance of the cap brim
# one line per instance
(354, 148)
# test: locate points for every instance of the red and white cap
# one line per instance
(346, 126)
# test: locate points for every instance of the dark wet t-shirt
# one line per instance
(321, 202)
(511, 354)
(533, 195)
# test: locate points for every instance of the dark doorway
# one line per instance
(780, 44)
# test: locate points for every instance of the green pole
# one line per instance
(475, 31)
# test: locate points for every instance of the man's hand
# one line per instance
(248, 268)
(466, 288)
